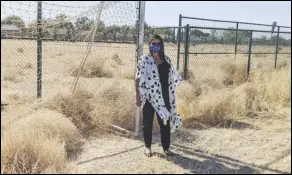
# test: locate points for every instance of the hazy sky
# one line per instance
(160, 13)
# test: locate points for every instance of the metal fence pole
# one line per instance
(140, 53)
(173, 35)
(39, 49)
(236, 38)
(169, 39)
(249, 53)
(178, 40)
(277, 48)
(186, 51)
(137, 30)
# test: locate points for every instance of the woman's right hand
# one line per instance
(138, 100)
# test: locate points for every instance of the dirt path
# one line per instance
(214, 150)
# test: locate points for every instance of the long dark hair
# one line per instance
(161, 52)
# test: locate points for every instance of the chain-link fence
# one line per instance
(51, 48)
(212, 49)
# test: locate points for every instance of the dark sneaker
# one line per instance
(168, 153)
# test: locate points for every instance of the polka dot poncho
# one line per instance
(150, 89)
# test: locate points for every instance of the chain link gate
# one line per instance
(208, 49)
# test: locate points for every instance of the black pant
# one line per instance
(148, 115)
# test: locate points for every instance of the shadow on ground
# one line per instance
(197, 161)
(211, 164)
(206, 167)
(214, 163)
(112, 155)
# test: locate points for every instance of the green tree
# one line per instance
(14, 20)
(105, 33)
(213, 34)
(61, 17)
(173, 36)
(83, 23)
(61, 22)
(281, 41)
(147, 30)
(230, 36)
(100, 26)
(124, 30)
(196, 32)
(167, 34)
(133, 32)
(113, 31)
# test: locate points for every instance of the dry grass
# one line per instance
(210, 109)
(14, 97)
(267, 82)
(212, 106)
(39, 143)
(77, 108)
(91, 113)
(259, 55)
(92, 69)
(13, 76)
(127, 72)
(20, 50)
(59, 54)
(282, 64)
(28, 66)
(235, 73)
(115, 105)
(10, 78)
(117, 59)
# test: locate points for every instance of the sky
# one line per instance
(161, 13)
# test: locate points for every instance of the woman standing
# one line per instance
(156, 81)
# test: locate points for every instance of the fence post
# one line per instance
(137, 30)
(236, 38)
(178, 41)
(169, 39)
(277, 48)
(249, 53)
(186, 51)
(39, 49)
(173, 36)
(140, 52)
(165, 37)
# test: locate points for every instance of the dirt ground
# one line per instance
(255, 145)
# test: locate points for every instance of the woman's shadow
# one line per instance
(208, 166)
(197, 161)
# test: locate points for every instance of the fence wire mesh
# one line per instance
(230, 43)
(71, 32)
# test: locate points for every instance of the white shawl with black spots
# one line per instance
(150, 89)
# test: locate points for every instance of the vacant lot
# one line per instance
(230, 125)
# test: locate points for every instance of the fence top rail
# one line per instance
(264, 31)
(216, 20)
(166, 27)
